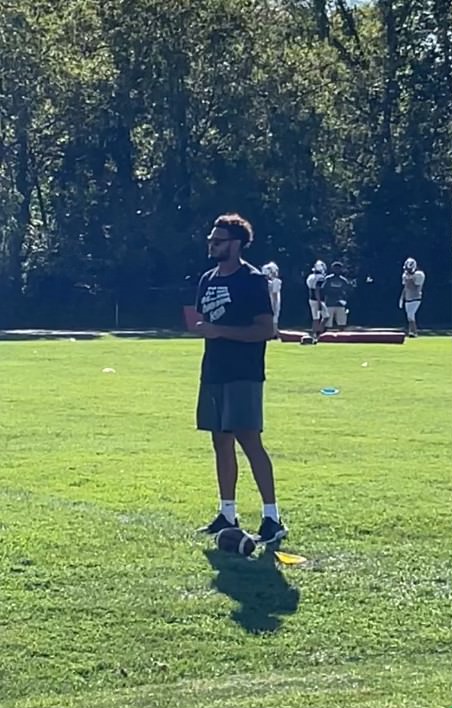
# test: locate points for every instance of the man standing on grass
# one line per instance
(316, 298)
(336, 290)
(271, 272)
(237, 321)
(413, 281)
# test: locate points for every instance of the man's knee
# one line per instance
(249, 440)
(223, 442)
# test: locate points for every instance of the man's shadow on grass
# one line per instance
(262, 591)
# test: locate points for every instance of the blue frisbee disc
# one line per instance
(329, 391)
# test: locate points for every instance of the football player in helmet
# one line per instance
(271, 272)
(413, 280)
(316, 298)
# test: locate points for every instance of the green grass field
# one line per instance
(108, 599)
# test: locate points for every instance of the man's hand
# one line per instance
(261, 330)
(207, 330)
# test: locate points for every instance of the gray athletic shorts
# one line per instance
(229, 407)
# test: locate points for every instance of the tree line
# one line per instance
(126, 126)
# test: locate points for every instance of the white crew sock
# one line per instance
(227, 508)
(271, 510)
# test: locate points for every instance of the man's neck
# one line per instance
(229, 267)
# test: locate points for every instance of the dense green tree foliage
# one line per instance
(127, 125)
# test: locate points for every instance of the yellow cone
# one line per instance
(290, 558)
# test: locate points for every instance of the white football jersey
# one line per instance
(274, 286)
(315, 280)
(413, 285)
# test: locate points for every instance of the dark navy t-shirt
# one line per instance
(336, 288)
(234, 301)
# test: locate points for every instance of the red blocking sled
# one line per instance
(364, 337)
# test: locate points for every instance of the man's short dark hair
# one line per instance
(337, 264)
(237, 228)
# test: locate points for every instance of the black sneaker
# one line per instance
(218, 524)
(270, 530)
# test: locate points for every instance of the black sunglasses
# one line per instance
(216, 240)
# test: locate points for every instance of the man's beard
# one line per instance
(223, 256)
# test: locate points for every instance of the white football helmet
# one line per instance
(270, 270)
(319, 267)
(410, 265)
